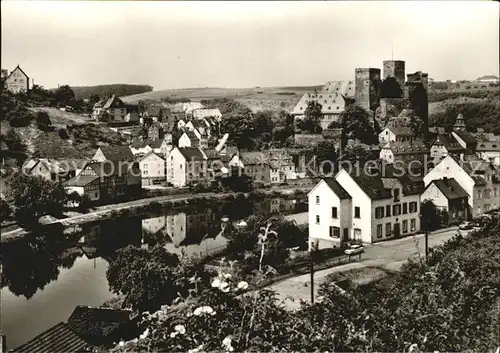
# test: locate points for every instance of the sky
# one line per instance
(244, 44)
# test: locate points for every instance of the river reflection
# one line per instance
(44, 276)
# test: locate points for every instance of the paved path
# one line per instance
(388, 255)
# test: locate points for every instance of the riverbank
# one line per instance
(113, 210)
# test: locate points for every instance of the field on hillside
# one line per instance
(256, 98)
(61, 118)
(436, 107)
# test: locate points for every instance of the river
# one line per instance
(45, 277)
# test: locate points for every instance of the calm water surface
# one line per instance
(43, 281)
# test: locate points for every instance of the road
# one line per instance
(388, 255)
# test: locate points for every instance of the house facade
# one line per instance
(53, 169)
(376, 209)
(112, 107)
(17, 81)
(253, 164)
(396, 134)
(445, 145)
(153, 170)
(155, 132)
(478, 178)
(449, 196)
(85, 185)
(186, 165)
(415, 153)
(489, 151)
(188, 139)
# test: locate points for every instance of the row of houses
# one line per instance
(380, 206)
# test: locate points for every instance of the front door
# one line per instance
(357, 234)
(397, 230)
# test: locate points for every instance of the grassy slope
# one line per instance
(257, 98)
(49, 144)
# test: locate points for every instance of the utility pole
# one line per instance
(426, 244)
(312, 275)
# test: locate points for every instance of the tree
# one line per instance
(356, 153)
(325, 151)
(417, 126)
(240, 127)
(5, 209)
(34, 197)
(19, 116)
(150, 278)
(263, 125)
(43, 119)
(312, 117)
(389, 88)
(64, 95)
(430, 216)
(357, 125)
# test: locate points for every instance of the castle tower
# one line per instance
(416, 90)
(396, 69)
(367, 88)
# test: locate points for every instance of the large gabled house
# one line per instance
(396, 134)
(444, 145)
(186, 165)
(188, 138)
(117, 179)
(363, 207)
(449, 196)
(153, 169)
(17, 81)
(253, 164)
(110, 109)
(480, 179)
(405, 153)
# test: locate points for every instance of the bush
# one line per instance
(63, 133)
(43, 119)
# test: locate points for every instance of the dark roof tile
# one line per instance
(337, 188)
(450, 188)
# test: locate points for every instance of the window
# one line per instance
(379, 212)
(145, 172)
(335, 232)
(396, 210)
(413, 207)
(413, 224)
(387, 229)
(379, 230)
(180, 166)
(479, 194)
(387, 211)
(405, 208)
(317, 200)
(356, 212)
(405, 226)
(334, 212)
(317, 219)
(396, 194)
(96, 194)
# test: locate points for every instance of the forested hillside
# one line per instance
(84, 92)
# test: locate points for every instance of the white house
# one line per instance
(188, 139)
(378, 209)
(140, 148)
(84, 185)
(112, 106)
(478, 178)
(330, 209)
(186, 165)
(396, 134)
(152, 169)
(154, 225)
(489, 151)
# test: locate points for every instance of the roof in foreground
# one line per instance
(337, 188)
(450, 188)
(58, 338)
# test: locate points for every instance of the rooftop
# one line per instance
(117, 153)
(192, 153)
(450, 188)
(337, 188)
(58, 338)
(81, 180)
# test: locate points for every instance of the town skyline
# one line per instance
(244, 45)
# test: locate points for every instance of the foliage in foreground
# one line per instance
(447, 304)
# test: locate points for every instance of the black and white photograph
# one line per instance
(250, 176)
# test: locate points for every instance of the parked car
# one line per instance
(466, 226)
(354, 250)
